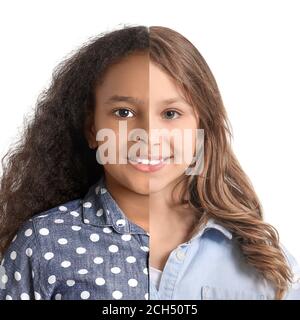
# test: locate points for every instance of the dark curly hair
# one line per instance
(52, 162)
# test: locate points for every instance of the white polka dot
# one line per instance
(81, 250)
(100, 281)
(52, 279)
(8, 297)
(28, 232)
(103, 190)
(94, 237)
(62, 241)
(48, 255)
(24, 296)
(44, 231)
(57, 296)
(115, 270)
(146, 296)
(66, 264)
(70, 283)
(121, 223)
(63, 208)
(13, 255)
(28, 252)
(4, 279)
(59, 221)
(132, 282)
(15, 237)
(145, 270)
(126, 237)
(42, 216)
(131, 259)
(37, 296)
(144, 248)
(98, 260)
(18, 276)
(113, 248)
(117, 294)
(82, 271)
(99, 213)
(84, 295)
(107, 230)
(97, 189)
(74, 214)
(87, 204)
(86, 220)
(76, 228)
(32, 274)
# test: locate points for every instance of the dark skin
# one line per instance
(145, 197)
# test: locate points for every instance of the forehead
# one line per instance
(137, 76)
(129, 77)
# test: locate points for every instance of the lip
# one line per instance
(148, 167)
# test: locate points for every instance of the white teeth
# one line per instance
(148, 162)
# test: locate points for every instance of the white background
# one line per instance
(252, 47)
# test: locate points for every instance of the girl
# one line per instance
(74, 229)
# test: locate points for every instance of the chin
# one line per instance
(138, 185)
(157, 185)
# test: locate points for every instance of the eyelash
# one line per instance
(114, 112)
(128, 109)
(173, 110)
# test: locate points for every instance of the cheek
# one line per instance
(183, 147)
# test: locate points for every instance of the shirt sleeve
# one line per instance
(293, 292)
(19, 269)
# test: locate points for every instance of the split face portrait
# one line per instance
(135, 191)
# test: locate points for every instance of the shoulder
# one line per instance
(35, 228)
(293, 292)
(55, 212)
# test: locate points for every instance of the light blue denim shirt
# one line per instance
(210, 266)
(83, 249)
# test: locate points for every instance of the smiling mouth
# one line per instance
(148, 162)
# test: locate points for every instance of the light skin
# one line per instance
(145, 197)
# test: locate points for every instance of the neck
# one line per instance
(135, 206)
(156, 208)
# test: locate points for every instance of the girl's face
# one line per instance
(149, 91)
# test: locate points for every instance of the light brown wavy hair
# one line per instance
(222, 190)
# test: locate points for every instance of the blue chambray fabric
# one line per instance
(210, 266)
(83, 249)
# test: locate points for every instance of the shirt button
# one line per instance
(180, 254)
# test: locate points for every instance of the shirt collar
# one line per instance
(100, 209)
(211, 224)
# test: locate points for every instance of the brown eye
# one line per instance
(123, 113)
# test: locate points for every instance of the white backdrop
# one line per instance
(252, 48)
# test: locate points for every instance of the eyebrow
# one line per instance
(136, 101)
(171, 100)
(118, 98)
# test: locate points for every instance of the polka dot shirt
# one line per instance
(83, 249)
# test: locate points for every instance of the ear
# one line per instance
(90, 131)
